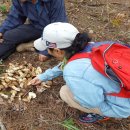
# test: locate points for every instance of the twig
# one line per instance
(123, 128)
(2, 65)
(27, 92)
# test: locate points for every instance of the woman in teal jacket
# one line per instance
(85, 87)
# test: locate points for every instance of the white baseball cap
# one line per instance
(56, 35)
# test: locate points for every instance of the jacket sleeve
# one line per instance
(90, 96)
(50, 73)
(85, 92)
(14, 18)
(57, 11)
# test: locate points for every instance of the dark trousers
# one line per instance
(14, 37)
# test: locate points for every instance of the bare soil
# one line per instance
(103, 20)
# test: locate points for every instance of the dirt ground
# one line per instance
(103, 20)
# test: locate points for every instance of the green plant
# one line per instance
(1, 70)
(69, 124)
(116, 22)
(1, 62)
(3, 8)
(1, 66)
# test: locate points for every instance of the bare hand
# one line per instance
(35, 81)
(1, 38)
(42, 58)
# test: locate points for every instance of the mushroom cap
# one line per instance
(13, 91)
(32, 95)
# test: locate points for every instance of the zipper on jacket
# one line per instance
(106, 65)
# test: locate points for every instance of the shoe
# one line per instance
(92, 118)
(25, 47)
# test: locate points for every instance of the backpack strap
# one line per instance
(80, 56)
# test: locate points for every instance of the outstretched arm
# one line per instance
(90, 96)
(47, 75)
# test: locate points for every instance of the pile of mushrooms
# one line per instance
(14, 82)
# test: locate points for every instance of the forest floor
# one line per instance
(103, 20)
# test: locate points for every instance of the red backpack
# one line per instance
(113, 61)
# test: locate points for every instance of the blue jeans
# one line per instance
(22, 34)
